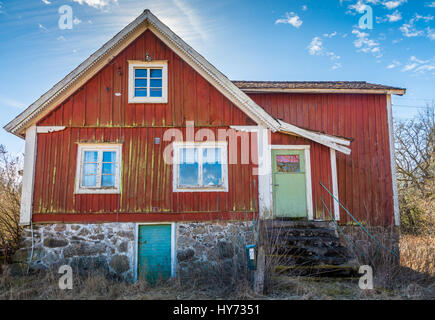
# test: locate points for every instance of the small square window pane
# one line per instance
(89, 168)
(109, 156)
(140, 73)
(91, 156)
(155, 73)
(89, 181)
(140, 92)
(189, 155)
(211, 155)
(156, 83)
(155, 92)
(140, 83)
(108, 168)
(108, 181)
(189, 174)
(212, 174)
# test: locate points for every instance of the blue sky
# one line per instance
(246, 40)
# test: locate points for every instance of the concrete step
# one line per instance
(307, 260)
(323, 270)
(297, 224)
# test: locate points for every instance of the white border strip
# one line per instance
(393, 162)
(28, 176)
(335, 184)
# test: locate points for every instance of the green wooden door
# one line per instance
(154, 252)
(289, 184)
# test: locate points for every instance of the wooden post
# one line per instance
(259, 275)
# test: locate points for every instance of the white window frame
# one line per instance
(161, 64)
(223, 145)
(100, 148)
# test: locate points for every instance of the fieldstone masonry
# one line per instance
(110, 247)
(107, 248)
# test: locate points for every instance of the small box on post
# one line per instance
(251, 255)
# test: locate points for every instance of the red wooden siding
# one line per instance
(146, 179)
(190, 96)
(364, 177)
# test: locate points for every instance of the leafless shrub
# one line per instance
(10, 195)
(415, 159)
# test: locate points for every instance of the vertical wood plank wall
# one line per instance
(364, 177)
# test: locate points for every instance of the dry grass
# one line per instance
(418, 253)
(413, 280)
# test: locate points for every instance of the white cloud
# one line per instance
(11, 102)
(393, 4)
(330, 35)
(61, 38)
(410, 30)
(431, 4)
(304, 8)
(430, 33)
(336, 66)
(77, 20)
(99, 4)
(42, 27)
(291, 18)
(418, 66)
(394, 64)
(394, 17)
(316, 48)
(46, 1)
(364, 44)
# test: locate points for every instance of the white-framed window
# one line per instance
(98, 168)
(200, 166)
(147, 82)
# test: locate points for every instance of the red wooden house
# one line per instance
(146, 146)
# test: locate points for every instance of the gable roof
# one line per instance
(69, 84)
(318, 87)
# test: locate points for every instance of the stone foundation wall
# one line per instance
(107, 248)
(212, 247)
(110, 247)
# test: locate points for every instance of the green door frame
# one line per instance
(308, 186)
(173, 246)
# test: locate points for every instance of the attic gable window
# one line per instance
(200, 167)
(98, 168)
(148, 82)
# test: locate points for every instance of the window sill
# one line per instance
(97, 191)
(221, 189)
(148, 100)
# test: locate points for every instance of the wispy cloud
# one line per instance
(99, 4)
(316, 48)
(304, 7)
(430, 4)
(290, 18)
(11, 102)
(364, 44)
(418, 66)
(42, 27)
(393, 4)
(410, 29)
(46, 1)
(394, 64)
(330, 35)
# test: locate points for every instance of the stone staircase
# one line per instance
(307, 248)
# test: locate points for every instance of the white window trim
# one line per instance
(133, 64)
(98, 147)
(223, 145)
